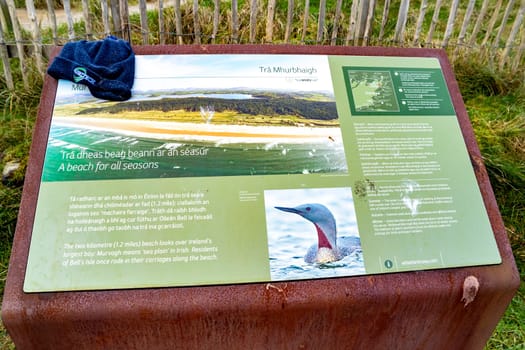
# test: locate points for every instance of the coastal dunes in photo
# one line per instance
(226, 119)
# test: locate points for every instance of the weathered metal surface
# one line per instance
(411, 310)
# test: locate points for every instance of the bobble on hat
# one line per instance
(106, 67)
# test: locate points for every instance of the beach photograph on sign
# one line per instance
(241, 118)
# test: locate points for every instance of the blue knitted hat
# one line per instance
(106, 67)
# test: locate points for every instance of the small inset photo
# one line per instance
(312, 233)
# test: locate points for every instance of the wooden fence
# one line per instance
(492, 28)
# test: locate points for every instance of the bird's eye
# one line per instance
(308, 208)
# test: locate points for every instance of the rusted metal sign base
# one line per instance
(412, 310)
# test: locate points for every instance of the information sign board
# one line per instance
(238, 168)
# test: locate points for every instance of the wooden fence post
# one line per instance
(216, 18)
(18, 38)
(144, 28)
(289, 21)
(5, 62)
(69, 17)
(479, 22)
(321, 21)
(178, 22)
(433, 23)
(306, 14)
(196, 25)
(512, 36)
(253, 20)
(369, 20)
(401, 21)
(450, 23)
(115, 15)
(269, 20)
(420, 19)
(37, 40)
(350, 36)
(105, 17)
(491, 24)
(503, 23)
(87, 19)
(162, 33)
(124, 20)
(235, 22)
(52, 20)
(384, 21)
(464, 26)
(337, 19)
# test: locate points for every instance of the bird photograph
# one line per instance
(312, 233)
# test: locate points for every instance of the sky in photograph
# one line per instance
(170, 73)
(165, 72)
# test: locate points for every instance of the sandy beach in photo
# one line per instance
(204, 132)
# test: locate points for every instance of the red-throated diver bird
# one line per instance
(329, 248)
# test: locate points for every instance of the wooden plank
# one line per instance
(270, 14)
(450, 23)
(433, 23)
(124, 20)
(420, 20)
(162, 30)
(115, 14)
(216, 18)
(479, 22)
(18, 37)
(362, 10)
(401, 21)
(253, 20)
(466, 22)
(37, 39)
(4, 56)
(52, 20)
(289, 20)
(512, 36)
(369, 20)
(196, 24)
(384, 21)
(351, 35)
(235, 22)
(519, 53)
(306, 14)
(69, 18)
(492, 23)
(105, 17)
(144, 29)
(503, 24)
(337, 18)
(178, 21)
(321, 21)
(87, 19)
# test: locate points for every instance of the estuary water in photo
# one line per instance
(287, 262)
(77, 152)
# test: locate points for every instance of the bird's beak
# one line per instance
(289, 210)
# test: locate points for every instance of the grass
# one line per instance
(496, 106)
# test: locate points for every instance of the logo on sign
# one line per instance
(80, 74)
